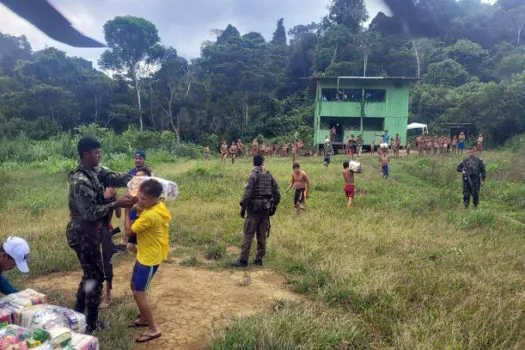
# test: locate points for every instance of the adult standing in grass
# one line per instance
(88, 212)
(139, 158)
(461, 142)
(473, 170)
(13, 252)
(260, 200)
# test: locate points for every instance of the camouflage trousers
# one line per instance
(90, 257)
(471, 190)
(255, 225)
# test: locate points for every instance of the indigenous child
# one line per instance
(384, 161)
(301, 183)
(240, 148)
(224, 151)
(255, 147)
(206, 151)
(151, 229)
(408, 148)
(454, 144)
(349, 188)
(397, 145)
(285, 150)
(461, 142)
(326, 160)
(233, 151)
(479, 145)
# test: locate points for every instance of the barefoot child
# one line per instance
(233, 151)
(224, 151)
(151, 229)
(300, 182)
(384, 161)
(349, 188)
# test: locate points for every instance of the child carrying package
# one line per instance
(170, 190)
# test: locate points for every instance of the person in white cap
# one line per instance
(13, 252)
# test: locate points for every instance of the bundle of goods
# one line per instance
(170, 190)
(356, 167)
(14, 337)
(48, 316)
(25, 298)
(83, 342)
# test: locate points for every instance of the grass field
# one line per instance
(407, 267)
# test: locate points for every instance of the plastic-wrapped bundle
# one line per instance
(14, 337)
(26, 298)
(9, 312)
(49, 316)
(356, 167)
(84, 342)
(170, 190)
(60, 336)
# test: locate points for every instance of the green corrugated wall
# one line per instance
(394, 109)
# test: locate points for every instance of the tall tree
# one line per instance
(279, 36)
(350, 13)
(133, 46)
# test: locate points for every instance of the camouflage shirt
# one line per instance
(261, 184)
(87, 206)
(474, 167)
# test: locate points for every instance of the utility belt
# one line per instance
(261, 204)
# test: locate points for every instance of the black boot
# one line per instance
(258, 262)
(92, 321)
(240, 263)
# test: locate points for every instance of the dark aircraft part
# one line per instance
(45, 17)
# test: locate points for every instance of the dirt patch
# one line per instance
(190, 304)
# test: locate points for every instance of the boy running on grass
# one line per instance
(151, 229)
(300, 183)
(384, 161)
(349, 188)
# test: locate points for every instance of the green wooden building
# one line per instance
(360, 106)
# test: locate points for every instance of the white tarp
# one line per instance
(418, 126)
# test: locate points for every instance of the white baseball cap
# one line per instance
(18, 249)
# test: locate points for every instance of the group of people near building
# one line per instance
(443, 145)
(238, 150)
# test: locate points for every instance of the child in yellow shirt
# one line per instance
(151, 229)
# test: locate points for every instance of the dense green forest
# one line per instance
(471, 70)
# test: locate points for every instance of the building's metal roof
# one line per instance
(362, 78)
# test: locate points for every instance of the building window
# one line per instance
(373, 124)
(341, 95)
(372, 95)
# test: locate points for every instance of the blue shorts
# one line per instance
(142, 276)
(461, 145)
(385, 170)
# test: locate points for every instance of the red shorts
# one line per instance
(350, 190)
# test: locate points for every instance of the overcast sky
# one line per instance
(181, 23)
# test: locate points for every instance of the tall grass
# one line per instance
(407, 267)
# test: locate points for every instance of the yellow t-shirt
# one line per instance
(152, 229)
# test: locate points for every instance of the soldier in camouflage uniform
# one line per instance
(88, 209)
(260, 200)
(473, 170)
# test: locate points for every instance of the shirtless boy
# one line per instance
(233, 151)
(349, 188)
(206, 151)
(224, 151)
(300, 183)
